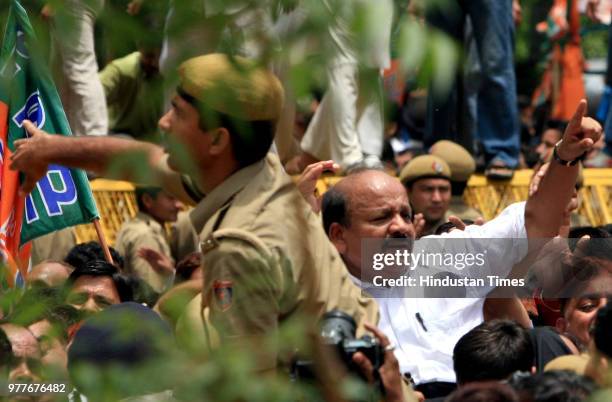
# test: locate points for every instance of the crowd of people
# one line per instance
(262, 289)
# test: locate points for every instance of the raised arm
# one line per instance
(546, 207)
(112, 157)
(33, 155)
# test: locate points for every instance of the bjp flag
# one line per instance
(63, 197)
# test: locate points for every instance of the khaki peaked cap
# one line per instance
(425, 166)
(459, 160)
(232, 85)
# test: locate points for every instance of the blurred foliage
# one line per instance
(303, 42)
(191, 373)
(531, 47)
(594, 41)
(302, 48)
(300, 52)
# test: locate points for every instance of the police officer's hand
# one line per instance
(307, 183)
(580, 135)
(389, 372)
(29, 157)
(161, 263)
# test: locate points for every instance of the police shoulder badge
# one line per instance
(223, 294)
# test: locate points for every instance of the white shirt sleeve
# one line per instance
(502, 241)
(510, 224)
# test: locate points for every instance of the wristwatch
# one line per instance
(558, 159)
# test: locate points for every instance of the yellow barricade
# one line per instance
(116, 204)
(116, 201)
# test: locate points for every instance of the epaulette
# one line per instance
(215, 238)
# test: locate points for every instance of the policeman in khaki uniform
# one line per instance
(146, 230)
(267, 259)
(462, 167)
(183, 237)
(54, 246)
(427, 180)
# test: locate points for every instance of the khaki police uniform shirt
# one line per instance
(143, 231)
(183, 237)
(458, 208)
(268, 262)
(461, 210)
(54, 246)
(434, 227)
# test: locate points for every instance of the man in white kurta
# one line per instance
(372, 205)
(348, 124)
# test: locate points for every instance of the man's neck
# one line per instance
(213, 177)
(162, 223)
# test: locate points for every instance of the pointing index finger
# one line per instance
(576, 120)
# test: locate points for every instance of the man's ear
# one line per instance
(147, 201)
(336, 235)
(220, 140)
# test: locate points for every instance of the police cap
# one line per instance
(459, 160)
(231, 85)
(424, 167)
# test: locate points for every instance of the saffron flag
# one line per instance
(60, 199)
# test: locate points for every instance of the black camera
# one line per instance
(338, 331)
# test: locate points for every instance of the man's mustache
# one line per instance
(397, 241)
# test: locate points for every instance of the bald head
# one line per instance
(368, 204)
(21, 339)
(49, 274)
(355, 190)
(356, 185)
(25, 351)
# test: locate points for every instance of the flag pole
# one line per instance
(102, 239)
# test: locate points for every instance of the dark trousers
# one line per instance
(497, 125)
